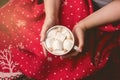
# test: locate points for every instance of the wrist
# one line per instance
(51, 21)
(51, 18)
(81, 25)
(52, 15)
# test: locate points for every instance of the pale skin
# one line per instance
(108, 14)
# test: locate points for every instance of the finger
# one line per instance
(81, 43)
(44, 49)
(43, 33)
(69, 55)
(66, 56)
(75, 53)
(80, 35)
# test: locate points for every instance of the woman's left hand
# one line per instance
(79, 33)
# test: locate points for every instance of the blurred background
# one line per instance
(3, 2)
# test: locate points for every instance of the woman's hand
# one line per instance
(79, 33)
(48, 23)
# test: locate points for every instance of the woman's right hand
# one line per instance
(48, 23)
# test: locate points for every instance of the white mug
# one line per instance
(59, 40)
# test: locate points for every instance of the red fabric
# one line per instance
(20, 25)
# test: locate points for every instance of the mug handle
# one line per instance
(76, 48)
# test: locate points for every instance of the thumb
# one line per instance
(43, 33)
(44, 49)
(81, 44)
(80, 36)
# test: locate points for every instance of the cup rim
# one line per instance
(58, 26)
